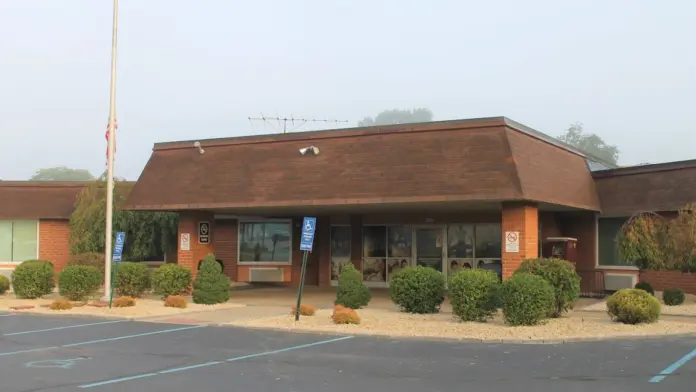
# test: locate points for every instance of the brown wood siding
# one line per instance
(623, 195)
(552, 175)
(465, 164)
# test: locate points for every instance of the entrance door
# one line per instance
(430, 245)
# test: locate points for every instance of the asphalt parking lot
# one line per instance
(40, 353)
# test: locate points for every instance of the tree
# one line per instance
(147, 233)
(62, 173)
(590, 142)
(653, 242)
(396, 116)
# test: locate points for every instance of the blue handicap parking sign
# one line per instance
(309, 226)
(118, 247)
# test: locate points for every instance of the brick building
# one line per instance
(34, 222)
(481, 193)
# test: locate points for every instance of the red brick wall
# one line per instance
(225, 245)
(188, 223)
(661, 280)
(524, 219)
(53, 242)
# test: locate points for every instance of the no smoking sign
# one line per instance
(512, 241)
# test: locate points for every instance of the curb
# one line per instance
(568, 340)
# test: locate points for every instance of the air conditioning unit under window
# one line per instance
(613, 282)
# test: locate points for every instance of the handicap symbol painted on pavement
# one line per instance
(55, 363)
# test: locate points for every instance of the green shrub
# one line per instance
(33, 279)
(211, 285)
(79, 282)
(561, 275)
(474, 294)
(633, 306)
(673, 297)
(352, 292)
(171, 279)
(645, 286)
(527, 299)
(90, 259)
(4, 284)
(418, 289)
(132, 279)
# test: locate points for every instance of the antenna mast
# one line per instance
(293, 120)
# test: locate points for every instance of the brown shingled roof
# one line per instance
(38, 200)
(657, 187)
(491, 159)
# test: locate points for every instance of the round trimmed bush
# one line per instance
(79, 282)
(673, 297)
(211, 285)
(474, 294)
(633, 306)
(171, 279)
(91, 259)
(645, 286)
(33, 279)
(4, 284)
(352, 292)
(561, 275)
(132, 279)
(418, 289)
(526, 299)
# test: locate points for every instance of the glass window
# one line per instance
(340, 249)
(608, 229)
(399, 243)
(5, 241)
(375, 241)
(265, 242)
(18, 240)
(488, 241)
(460, 242)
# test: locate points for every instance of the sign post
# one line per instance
(309, 227)
(118, 254)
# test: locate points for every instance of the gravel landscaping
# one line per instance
(688, 308)
(397, 324)
(145, 307)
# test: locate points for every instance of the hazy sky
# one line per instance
(197, 69)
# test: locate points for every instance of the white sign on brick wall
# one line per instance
(185, 243)
(512, 241)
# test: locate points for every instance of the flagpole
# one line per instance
(110, 159)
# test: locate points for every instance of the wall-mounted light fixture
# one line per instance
(311, 150)
(198, 146)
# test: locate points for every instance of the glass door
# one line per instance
(430, 247)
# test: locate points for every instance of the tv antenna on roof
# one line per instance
(295, 122)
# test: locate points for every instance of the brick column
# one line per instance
(54, 242)
(524, 220)
(188, 223)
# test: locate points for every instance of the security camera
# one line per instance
(198, 146)
(314, 150)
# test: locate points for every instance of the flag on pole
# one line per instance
(107, 141)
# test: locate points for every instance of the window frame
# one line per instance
(339, 258)
(241, 222)
(600, 266)
(38, 242)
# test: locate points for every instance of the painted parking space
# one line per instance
(140, 356)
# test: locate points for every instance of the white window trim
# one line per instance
(38, 222)
(254, 220)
